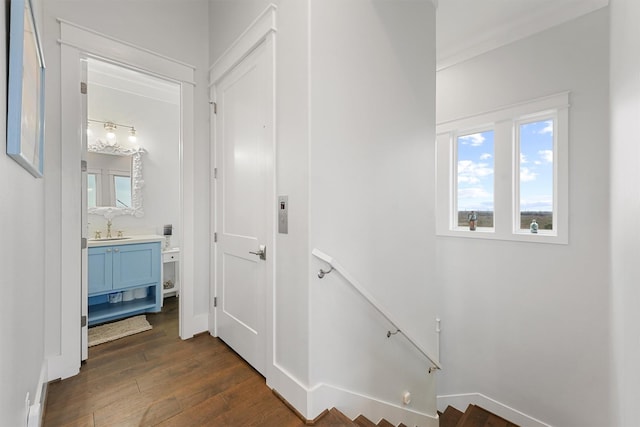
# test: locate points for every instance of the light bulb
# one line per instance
(110, 128)
(132, 135)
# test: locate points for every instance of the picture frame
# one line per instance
(25, 100)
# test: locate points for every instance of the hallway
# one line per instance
(154, 378)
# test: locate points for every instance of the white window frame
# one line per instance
(505, 124)
(454, 173)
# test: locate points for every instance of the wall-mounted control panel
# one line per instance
(283, 214)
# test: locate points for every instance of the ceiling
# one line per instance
(466, 28)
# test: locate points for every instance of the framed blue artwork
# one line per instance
(25, 103)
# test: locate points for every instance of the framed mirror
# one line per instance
(114, 180)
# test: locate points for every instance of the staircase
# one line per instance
(474, 416)
(335, 418)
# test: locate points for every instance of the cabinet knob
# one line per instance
(116, 250)
(108, 250)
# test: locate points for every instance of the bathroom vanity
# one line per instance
(124, 277)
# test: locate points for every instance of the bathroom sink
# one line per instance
(108, 239)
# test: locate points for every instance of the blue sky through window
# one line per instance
(536, 166)
(476, 172)
(123, 191)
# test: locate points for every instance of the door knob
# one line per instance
(262, 252)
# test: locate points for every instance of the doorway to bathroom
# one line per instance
(131, 193)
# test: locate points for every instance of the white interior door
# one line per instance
(244, 195)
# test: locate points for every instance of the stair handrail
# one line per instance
(335, 266)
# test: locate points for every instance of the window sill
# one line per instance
(543, 236)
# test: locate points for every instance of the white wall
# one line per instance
(372, 88)
(22, 259)
(291, 332)
(173, 28)
(527, 324)
(361, 74)
(158, 131)
(625, 209)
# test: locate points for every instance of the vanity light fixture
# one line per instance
(111, 127)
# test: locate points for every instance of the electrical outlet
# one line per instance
(406, 397)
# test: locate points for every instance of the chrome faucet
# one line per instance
(108, 236)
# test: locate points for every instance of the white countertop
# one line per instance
(126, 240)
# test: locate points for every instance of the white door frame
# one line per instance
(78, 42)
(263, 29)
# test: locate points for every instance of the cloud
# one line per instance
(546, 155)
(548, 128)
(474, 198)
(485, 156)
(527, 175)
(473, 193)
(523, 159)
(475, 140)
(470, 172)
(537, 203)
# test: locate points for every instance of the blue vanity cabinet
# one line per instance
(124, 269)
(100, 271)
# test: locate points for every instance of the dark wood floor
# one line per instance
(154, 378)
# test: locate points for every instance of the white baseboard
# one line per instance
(353, 404)
(292, 390)
(200, 323)
(461, 401)
(311, 402)
(36, 410)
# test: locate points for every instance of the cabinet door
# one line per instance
(100, 271)
(136, 265)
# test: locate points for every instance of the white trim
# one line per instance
(93, 42)
(293, 391)
(76, 44)
(310, 402)
(513, 30)
(555, 101)
(257, 31)
(352, 404)
(502, 121)
(262, 30)
(36, 410)
(200, 323)
(461, 401)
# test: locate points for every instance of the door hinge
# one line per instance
(215, 237)
(83, 321)
(83, 243)
(215, 173)
(83, 165)
(83, 88)
(215, 301)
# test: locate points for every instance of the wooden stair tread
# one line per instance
(385, 423)
(476, 416)
(450, 417)
(334, 418)
(363, 421)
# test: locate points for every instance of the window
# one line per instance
(501, 171)
(92, 190)
(475, 179)
(535, 174)
(122, 191)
